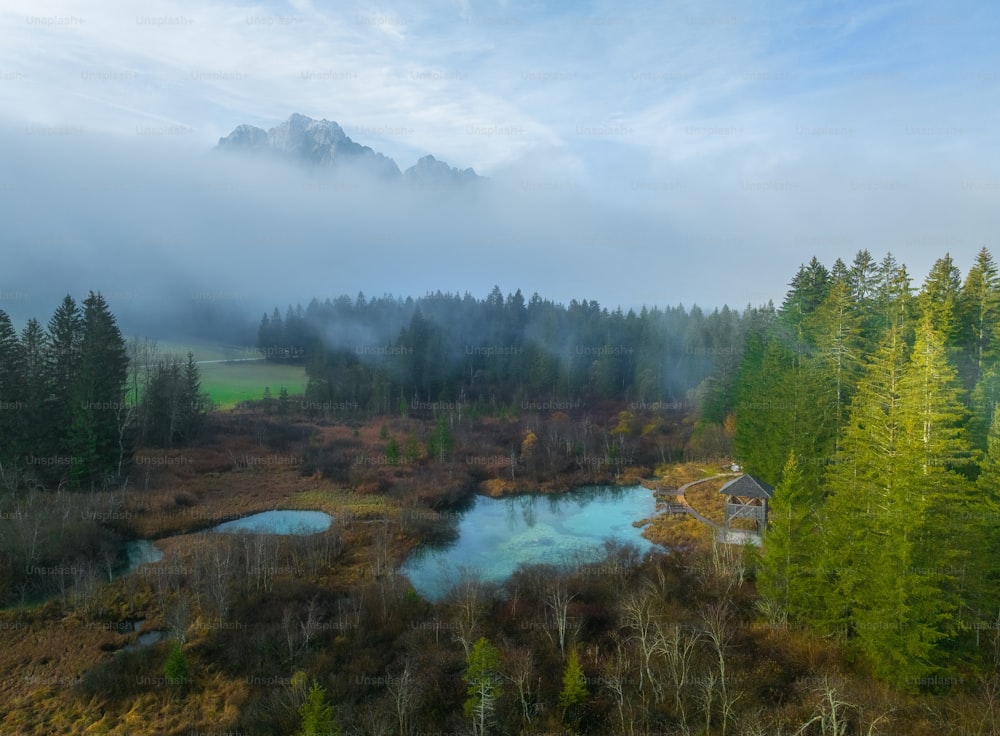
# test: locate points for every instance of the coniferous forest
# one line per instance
(77, 399)
(873, 407)
(497, 351)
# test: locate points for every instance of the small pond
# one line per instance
(145, 639)
(496, 535)
(139, 552)
(278, 522)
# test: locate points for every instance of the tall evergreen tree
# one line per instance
(895, 500)
(939, 299)
(979, 316)
(777, 394)
(839, 272)
(317, 714)
(791, 546)
(860, 485)
(574, 690)
(174, 404)
(836, 329)
(96, 440)
(978, 336)
(862, 282)
(808, 290)
(482, 676)
(759, 375)
(984, 540)
(34, 349)
(65, 336)
(12, 392)
(936, 419)
(893, 297)
(195, 403)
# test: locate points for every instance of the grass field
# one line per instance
(228, 383)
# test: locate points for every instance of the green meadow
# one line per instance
(238, 375)
(230, 383)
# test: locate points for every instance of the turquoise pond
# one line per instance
(278, 522)
(496, 535)
(142, 551)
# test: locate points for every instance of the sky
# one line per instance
(664, 152)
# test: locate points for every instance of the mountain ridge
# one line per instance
(324, 143)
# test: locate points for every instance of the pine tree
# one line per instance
(935, 420)
(12, 392)
(283, 403)
(938, 300)
(837, 333)
(65, 335)
(934, 410)
(392, 452)
(95, 441)
(859, 486)
(574, 690)
(264, 338)
(413, 451)
(482, 676)
(162, 404)
(175, 669)
(978, 334)
(984, 537)
(808, 290)
(317, 714)
(34, 348)
(765, 369)
(778, 391)
(979, 316)
(893, 297)
(895, 502)
(440, 441)
(195, 404)
(862, 280)
(791, 551)
(839, 273)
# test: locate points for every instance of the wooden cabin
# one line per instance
(746, 498)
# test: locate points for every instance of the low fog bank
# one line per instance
(182, 239)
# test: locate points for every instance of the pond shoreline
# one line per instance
(497, 535)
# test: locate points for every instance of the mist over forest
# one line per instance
(182, 239)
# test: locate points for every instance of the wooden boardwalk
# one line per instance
(681, 506)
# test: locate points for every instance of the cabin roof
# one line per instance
(748, 486)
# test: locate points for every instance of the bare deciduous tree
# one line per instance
(177, 614)
(639, 617)
(404, 690)
(678, 645)
(831, 712)
(616, 673)
(557, 604)
(521, 673)
(718, 631)
(467, 602)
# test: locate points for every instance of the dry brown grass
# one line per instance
(675, 475)
(706, 499)
(178, 492)
(683, 530)
(679, 531)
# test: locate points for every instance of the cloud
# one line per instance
(164, 227)
(645, 153)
